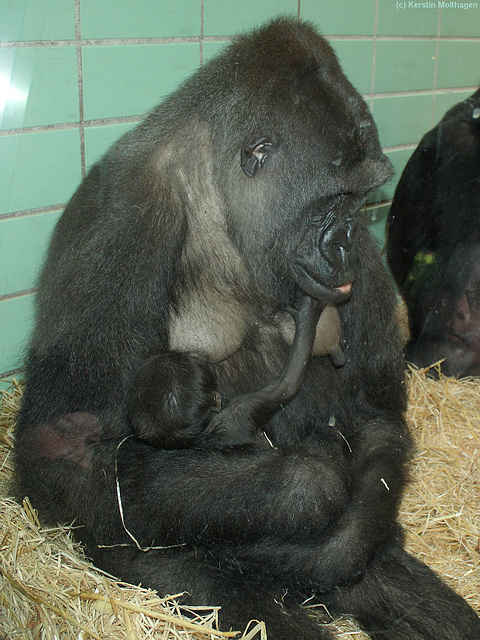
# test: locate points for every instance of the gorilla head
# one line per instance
(284, 109)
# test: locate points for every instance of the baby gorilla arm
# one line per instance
(173, 402)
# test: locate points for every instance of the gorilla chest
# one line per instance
(222, 329)
(217, 329)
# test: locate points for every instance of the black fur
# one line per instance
(199, 230)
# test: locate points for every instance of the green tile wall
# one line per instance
(376, 218)
(37, 77)
(343, 17)
(224, 18)
(414, 68)
(39, 169)
(143, 19)
(23, 242)
(99, 138)
(460, 61)
(128, 80)
(445, 101)
(398, 158)
(16, 315)
(26, 20)
(402, 119)
(77, 74)
(356, 58)
(395, 21)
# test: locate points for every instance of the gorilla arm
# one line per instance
(376, 442)
(376, 430)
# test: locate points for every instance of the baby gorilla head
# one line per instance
(171, 399)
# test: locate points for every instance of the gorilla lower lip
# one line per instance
(311, 285)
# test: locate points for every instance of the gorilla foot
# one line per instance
(69, 437)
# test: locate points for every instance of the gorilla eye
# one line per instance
(332, 205)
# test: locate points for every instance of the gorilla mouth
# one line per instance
(311, 284)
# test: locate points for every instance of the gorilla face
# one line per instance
(310, 216)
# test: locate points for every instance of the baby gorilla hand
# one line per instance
(236, 425)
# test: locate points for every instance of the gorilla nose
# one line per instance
(336, 244)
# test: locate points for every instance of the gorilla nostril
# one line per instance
(339, 251)
(335, 247)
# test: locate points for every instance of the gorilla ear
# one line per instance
(255, 154)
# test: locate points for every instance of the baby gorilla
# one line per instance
(173, 401)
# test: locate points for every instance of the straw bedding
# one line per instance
(48, 590)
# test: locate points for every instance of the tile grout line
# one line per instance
(32, 212)
(435, 71)
(81, 123)
(102, 42)
(86, 42)
(17, 294)
(374, 54)
(88, 124)
(202, 30)
(12, 372)
(101, 122)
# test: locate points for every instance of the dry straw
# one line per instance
(48, 590)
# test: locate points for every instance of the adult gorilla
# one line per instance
(434, 240)
(201, 230)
